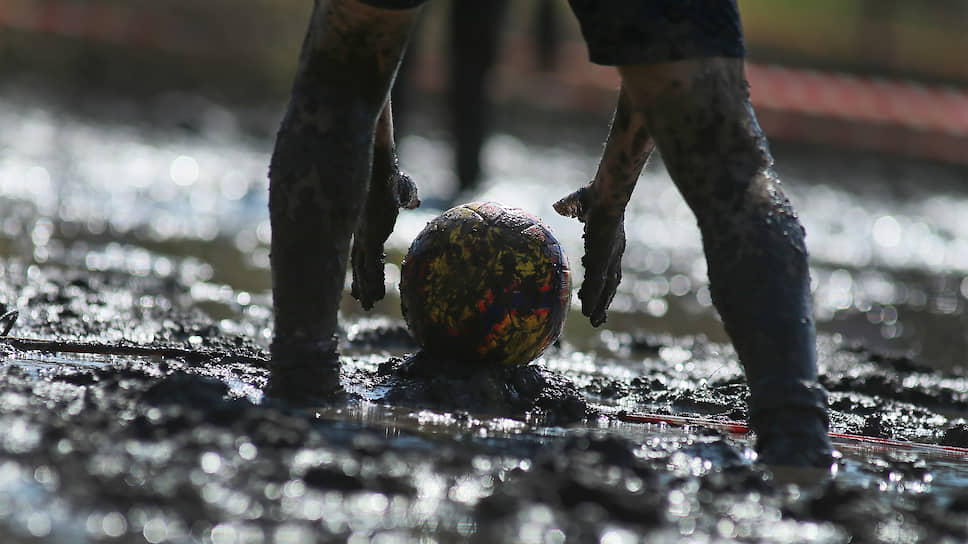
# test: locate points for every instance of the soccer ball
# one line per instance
(485, 284)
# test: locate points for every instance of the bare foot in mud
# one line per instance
(306, 373)
(795, 445)
(184, 430)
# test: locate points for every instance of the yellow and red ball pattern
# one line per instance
(485, 283)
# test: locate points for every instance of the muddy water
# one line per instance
(150, 228)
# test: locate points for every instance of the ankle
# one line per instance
(793, 437)
(299, 351)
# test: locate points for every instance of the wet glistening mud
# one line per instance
(163, 447)
(112, 447)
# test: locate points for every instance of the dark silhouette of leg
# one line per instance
(699, 113)
(475, 34)
(320, 175)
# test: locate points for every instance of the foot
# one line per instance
(305, 372)
(794, 438)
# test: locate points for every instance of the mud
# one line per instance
(131, 449)
(146, 235)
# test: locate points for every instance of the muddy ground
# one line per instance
(142, 235)
(164, 449)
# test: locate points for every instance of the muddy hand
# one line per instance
(604, 247)
(388, 193)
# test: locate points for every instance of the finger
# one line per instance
(355, 259)
(610, 286)
(358, 289)
(368, 258)
(368, 277)
(595, 262)
(591, 287)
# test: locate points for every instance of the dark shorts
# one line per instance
(623, 32)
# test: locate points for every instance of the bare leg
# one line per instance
(699, 113)
(320, 173)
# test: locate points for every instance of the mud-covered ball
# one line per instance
(484, 283)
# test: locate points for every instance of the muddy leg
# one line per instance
(319, 177)
(700, 116)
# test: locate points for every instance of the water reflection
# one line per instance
(66, 180)
(70, 183)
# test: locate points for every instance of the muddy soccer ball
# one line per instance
(485, 283)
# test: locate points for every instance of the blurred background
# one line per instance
(244, 52)
(136, 135)
(855, 58)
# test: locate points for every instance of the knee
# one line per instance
(314, 132)
(335, 109)
(700, 115)
(321, 161)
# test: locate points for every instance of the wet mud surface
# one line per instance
(121, 448)
(137, 232)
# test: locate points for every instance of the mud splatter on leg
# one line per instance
(601, 207)
(321, 168)
(700, 115)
